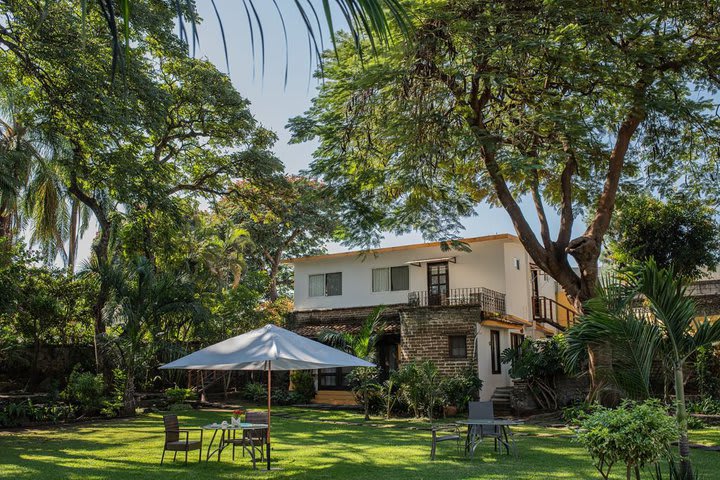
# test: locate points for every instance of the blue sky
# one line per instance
(273, 102)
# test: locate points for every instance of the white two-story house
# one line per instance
(457, 308)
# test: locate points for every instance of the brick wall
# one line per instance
(424, 335)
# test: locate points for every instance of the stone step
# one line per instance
(335, 397)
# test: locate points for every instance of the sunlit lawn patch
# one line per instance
(308, 444)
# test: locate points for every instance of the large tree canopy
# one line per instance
(679, 233)
(558, 102)
(173, 127)
(285, 218)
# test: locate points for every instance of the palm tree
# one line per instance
(32, 191)
(140, 300)
(362, 344)
(647, 314)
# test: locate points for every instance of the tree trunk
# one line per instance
(100, 247)
(274, 269)
(129, 394)
(73, 236)
(686, 470)
(366, 402)
(6, 230)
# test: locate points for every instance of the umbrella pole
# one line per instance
(269, 373)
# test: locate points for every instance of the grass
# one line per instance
(307, 444)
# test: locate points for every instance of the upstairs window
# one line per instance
(391, 279)
(325, 284)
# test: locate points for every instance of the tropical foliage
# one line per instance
(636, 435)
(538, 363)
(642, 315)
(363, 344)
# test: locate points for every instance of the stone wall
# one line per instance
(54, 364)
(424, 333)
(570, 390)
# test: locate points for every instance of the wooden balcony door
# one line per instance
(438, 283)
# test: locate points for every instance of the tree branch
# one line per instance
(601, 222)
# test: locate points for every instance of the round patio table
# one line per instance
(225, 439)
(501, 433)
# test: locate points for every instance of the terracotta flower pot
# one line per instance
(450, 410)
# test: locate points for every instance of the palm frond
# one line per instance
(369, 19)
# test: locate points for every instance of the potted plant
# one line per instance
(237, 416)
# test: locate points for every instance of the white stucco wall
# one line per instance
(485, 266)
(517, 281)
(491, 380)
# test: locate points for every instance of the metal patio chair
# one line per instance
(444, 433)
(482, 411)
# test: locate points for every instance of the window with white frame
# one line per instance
(325, 284)
(391, 279)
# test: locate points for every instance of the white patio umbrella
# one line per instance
(268, 348)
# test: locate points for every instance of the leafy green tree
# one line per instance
(363, 343)
(286, 217)
(421, 386)
(175, 128)
(32, 191)
(140, 301)
(662, 326)
(560, 103)
(680, 233)
(40, 306)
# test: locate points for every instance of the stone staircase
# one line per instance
(501, 401)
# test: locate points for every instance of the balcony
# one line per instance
(549, 311)
(488, 300)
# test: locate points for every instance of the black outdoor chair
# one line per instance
(173, 443)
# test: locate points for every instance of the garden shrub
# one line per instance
(538, 363)
(113, 405)
(303, 385)
(364, 382)
(575, 414)
(695, 423)
(85, 390)
(461, 389)
(17, 414)
(636, 434)
(706, 406)
(255, 392)
(421, 387)
(177, 395)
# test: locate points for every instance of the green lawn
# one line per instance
(307, 444)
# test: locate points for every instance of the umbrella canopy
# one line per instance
(269, 346)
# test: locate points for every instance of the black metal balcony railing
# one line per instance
(550, 311)
(488, 300)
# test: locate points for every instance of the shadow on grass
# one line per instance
(302, 449)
